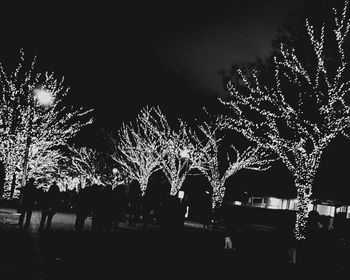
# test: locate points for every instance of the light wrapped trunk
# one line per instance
(218, 193)
(304, 191)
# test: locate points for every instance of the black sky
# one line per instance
(119, 57)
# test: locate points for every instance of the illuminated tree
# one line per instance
(176, 153)
(299, 114)
(10, 153)
(47, 166)
(217, 172)
(33, 114)
(120, 177)
(90, 165)
(135, 149)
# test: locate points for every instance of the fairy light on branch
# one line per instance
(135, 147)
(32, 111)
(311, 83)
(89, 163)
(47, 165)
(176, 152)
(253, 158)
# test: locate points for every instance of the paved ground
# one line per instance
(62, 253)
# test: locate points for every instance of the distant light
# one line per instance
(44, 97)
(186, 214)
(115, 171)
(275, 203)
(237, 203)
(181, 194)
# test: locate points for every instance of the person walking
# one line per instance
(235, 224)
(207, 211)
(97, 209)
(120, 205)
(83, 206)
(172, 215)
(49, 205)
(134, 196)
(27, 202)
(103, 212)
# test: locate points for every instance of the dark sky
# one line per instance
(119, 57)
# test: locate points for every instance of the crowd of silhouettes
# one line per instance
(106, 206)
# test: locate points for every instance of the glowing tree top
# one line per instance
(298, 114)
(33, 113)
(47, 166)
(176, 152)
(135, 149)
(33, 103)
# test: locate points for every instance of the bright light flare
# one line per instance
(44, 97)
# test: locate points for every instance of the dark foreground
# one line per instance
(62, 253)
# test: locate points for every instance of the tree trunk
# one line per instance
(304, 191)
(143, 185)
(218, 193)
(174, 190)
(13, 185)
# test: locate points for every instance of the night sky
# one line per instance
(118, 58)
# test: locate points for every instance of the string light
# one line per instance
(253, 158)
(134, 147)
(22, 118)
(91, 164)
(176, 152)
(149, 145)
(302, 150)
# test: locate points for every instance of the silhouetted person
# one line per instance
(340, 226)
(316, 244)
(103, 211)
(207, 214)
(27, 203)
(233, 218)
(313, 226)
(134, 197)
(72, 196)
(172, 214)
(341, 236)
(83, 206)
(146, 206)
(120, 205)
(49, 205)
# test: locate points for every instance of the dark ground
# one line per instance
(128, 252)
